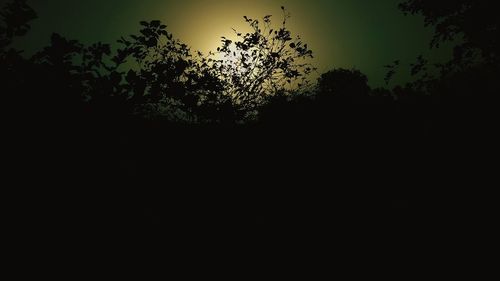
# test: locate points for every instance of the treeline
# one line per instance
(151, 117)
(151, 75)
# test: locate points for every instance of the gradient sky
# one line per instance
(365, 34)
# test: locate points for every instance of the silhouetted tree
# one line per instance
(158, 75)
(15, 17)
(14, 21)
(350, 85)
(476, 21)
(262, 63)
(461, 94)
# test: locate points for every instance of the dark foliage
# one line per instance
(473, 23)
(156, 136)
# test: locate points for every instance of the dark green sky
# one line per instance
(364, 34)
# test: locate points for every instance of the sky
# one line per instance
(362, 34)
